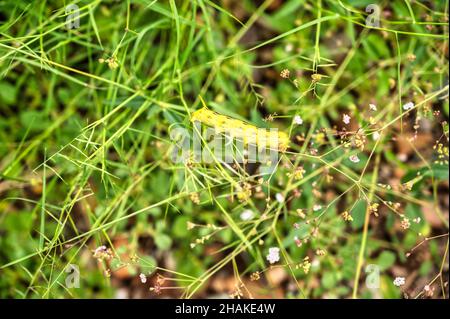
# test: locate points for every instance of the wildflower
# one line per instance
(300, 213)
(347, 217)
(306, 265)
(399, 281)
(237, 294)
(359, 139)
(320, 138)
(429, 291)
(279, 197)
(143, 278)
(195, 198)
(315, 264)
(402, 157)
(385, 186)
(298, 120)
(372, 107)
(373, 209)
(156, 288)
(274, 255)
(298, 242)
(408, 185)
(255, 276)
(112, 62)
(316, 77)
(375, 136)
(320, 252)
(270, 117)
(405, 223)
(299, 172)
(408, 106)
(411, 57)
(317, 207)
(103, 253)
(442, 152)
(346, 118)
(354, 158)
(285, 73)
(247, 215)
(244, 193)
(417, 220)
(190, 225)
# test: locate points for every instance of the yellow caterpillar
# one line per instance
(239, 129)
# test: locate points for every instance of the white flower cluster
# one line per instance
(274, 255)
(247, 215)
(408, 106)
(354, 158)
(399, 281)
(298, 120)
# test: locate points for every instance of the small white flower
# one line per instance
(417, 220)
(143, 278)
(100, 249)
(247, 215)
(279, 197)
(399, 281)
(346, 118)
(285, 73)
(375, 136)
(408, 106)
(354, 158)
(297, 241)
(317, 207)
(298, 120)
(402, 157)
(372, 107)
(289, 47)
(274, 255)
(315, 263)
(103, 252)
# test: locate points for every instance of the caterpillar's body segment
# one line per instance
(239, 129)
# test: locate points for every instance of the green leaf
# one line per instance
(386, 259)
(425, 268)
(329, 280)
(147, 264)
(163, 242)
(8, 93)
(180, 226)
(358, 213)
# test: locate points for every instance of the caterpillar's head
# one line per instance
(199, 115)
(202, 114)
